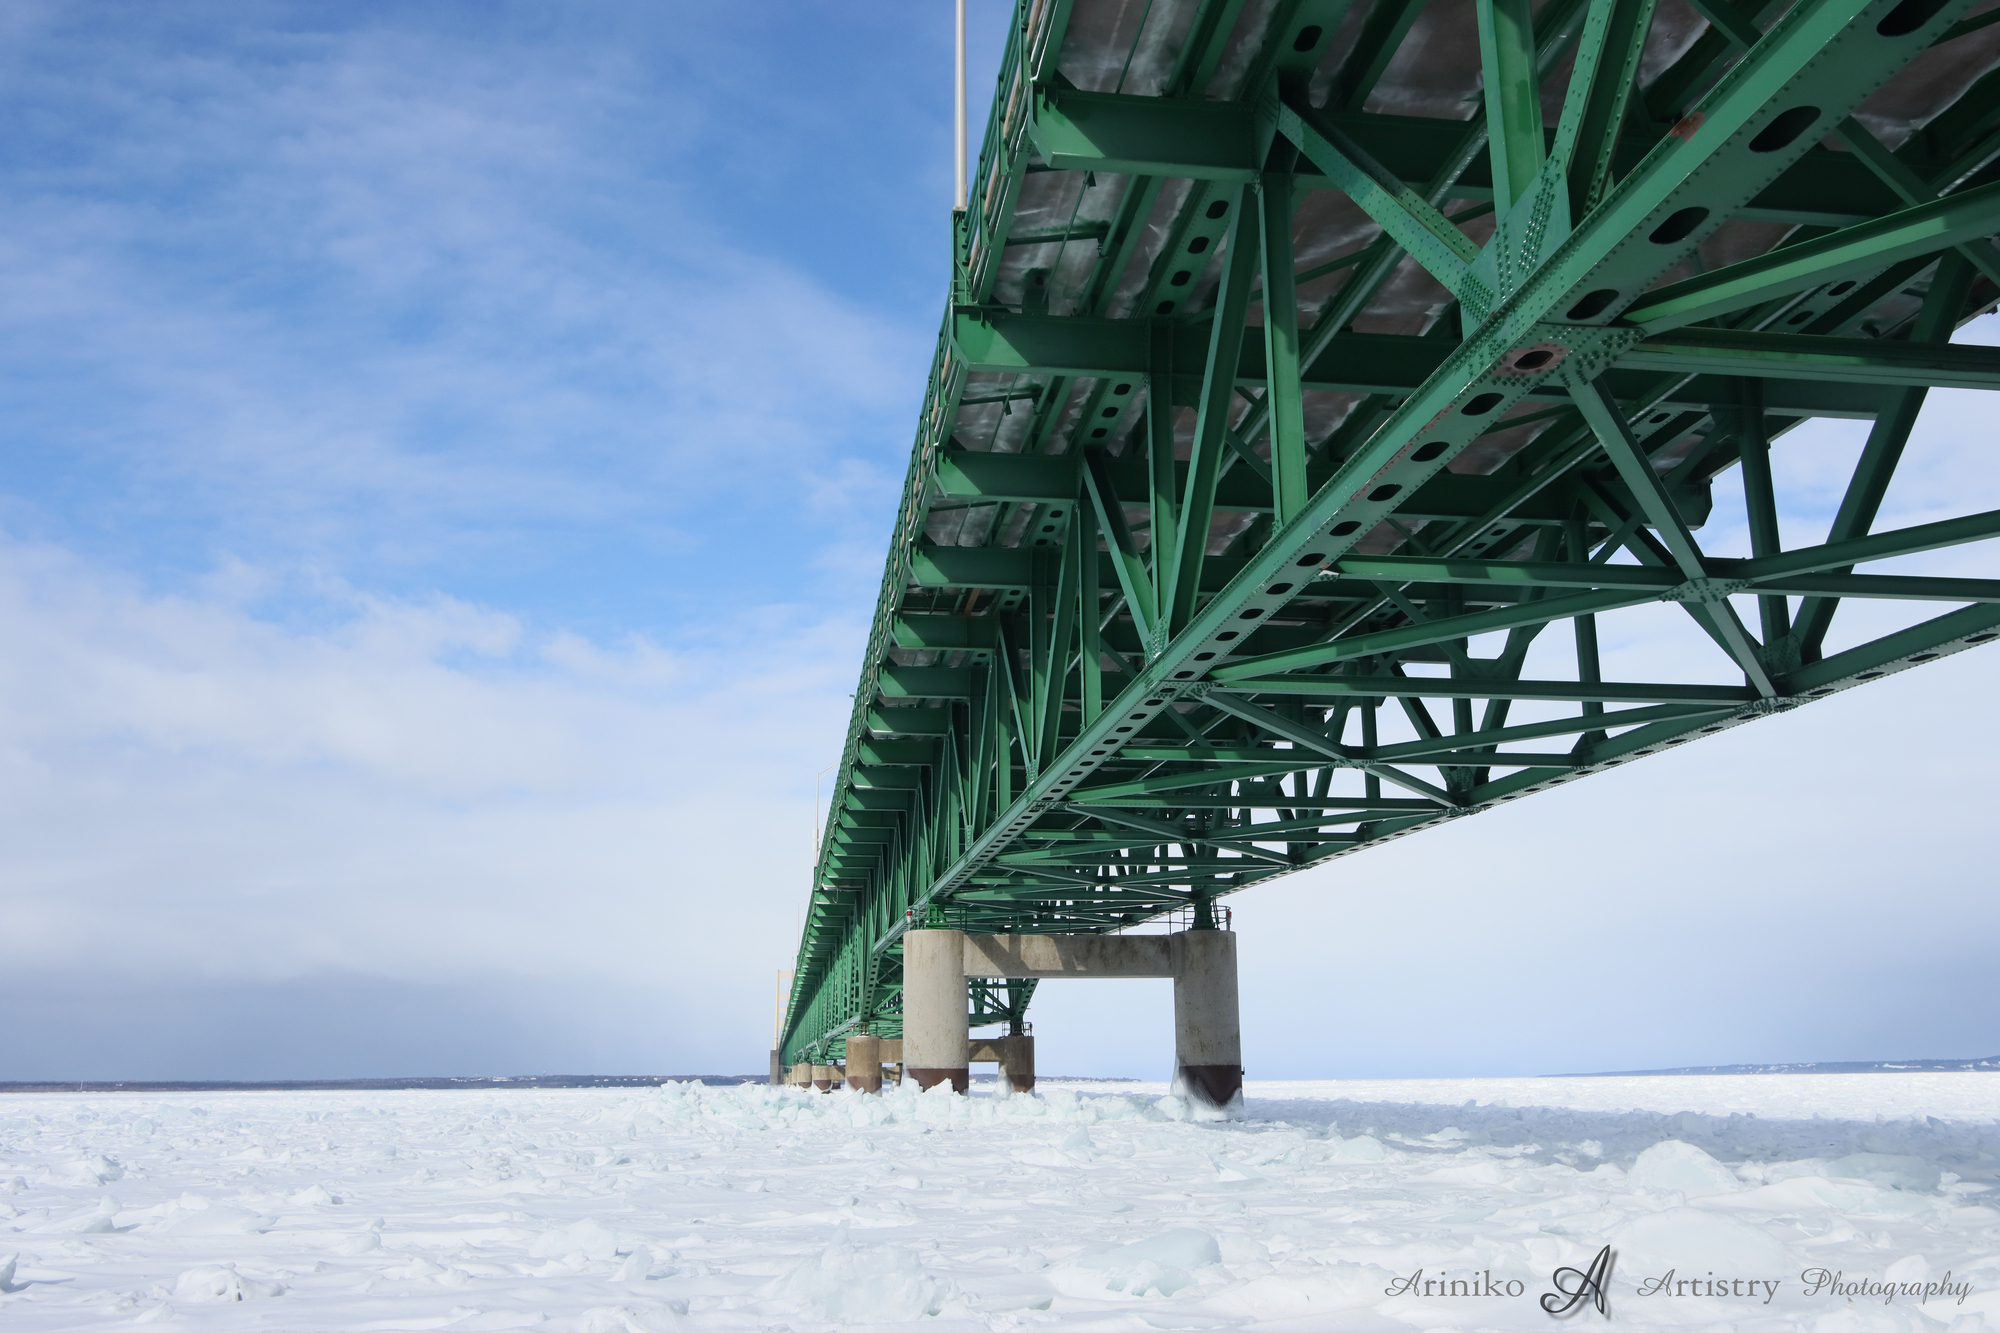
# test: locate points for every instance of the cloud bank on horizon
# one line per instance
(449, 453)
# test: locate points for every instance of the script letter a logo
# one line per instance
(1590, 1285)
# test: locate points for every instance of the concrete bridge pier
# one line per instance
(1017, 1063)
(935, 1032)
(822, 1078)
(1208, 1049)
(1014, 1054)
(1208, 1033)
(802, 1076)
(864, 1063)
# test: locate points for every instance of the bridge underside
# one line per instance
(1318, 374)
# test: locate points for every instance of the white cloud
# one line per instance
(424, 794)
(396, 296)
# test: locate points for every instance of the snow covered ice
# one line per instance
(1367, 1206)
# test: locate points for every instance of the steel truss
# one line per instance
(1185, 584)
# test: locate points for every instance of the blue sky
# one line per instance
(449, 451)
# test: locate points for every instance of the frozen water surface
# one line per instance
(1418, 1204)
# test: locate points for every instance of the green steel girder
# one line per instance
(1273, 605)
(1043, 479)
(1217, 141)
(1362, 363)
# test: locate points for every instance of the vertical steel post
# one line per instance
(1753, 452)
(1282, 396)
(1576, 539)
(1513, 97)
(959, 196)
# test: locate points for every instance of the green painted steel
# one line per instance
(1268, 390)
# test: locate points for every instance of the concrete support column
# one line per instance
(1017, 1063)
(934, 1026)
(822, 1078)
(864, 1064)
(777, 1068)
(802, 1076)
(1208, 1035)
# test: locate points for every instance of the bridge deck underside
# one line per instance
(1318, 373)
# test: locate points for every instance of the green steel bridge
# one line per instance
(1317, 372)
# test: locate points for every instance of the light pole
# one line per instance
(816, 829)
(958, 116)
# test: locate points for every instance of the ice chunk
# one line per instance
(95, 1170)
(360, 1244)
(1694, 1240)
(1336, 1287)
(648, 1318)
(1910, 1268)
(215, 1220)
(1183, 1247)
(1809, 1192)
(589, 1237)
(223, 1283)
(1360, 1148)
(1674, 1165)
(416, 1270)
(7, 1273)
(1157, 1266)
(862, 1283)
(1887, 1170)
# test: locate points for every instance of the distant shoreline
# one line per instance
(1989, 1064)
(494, 1082)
